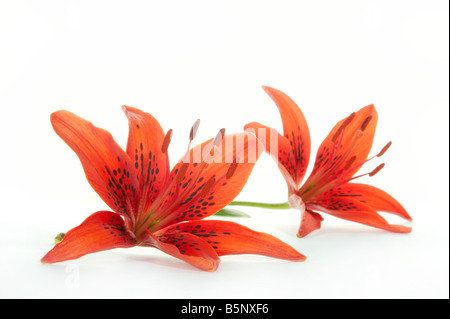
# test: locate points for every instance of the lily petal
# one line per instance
(102, 230)
(280, 150)
(371, 196)
(150, 164)
(295, 129)
(356, 211)
(186, 247)
(229, 238)
(310, 222)
(106, 165)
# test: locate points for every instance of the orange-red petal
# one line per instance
(356, 211)
(186, 247)
(371, 196)
(295, 129)
(279, 148)
(310, 222)
(229, 238)
(106, 165)
(144, 147)
(102, 230)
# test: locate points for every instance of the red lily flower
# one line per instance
(340, 156)
(153, 206)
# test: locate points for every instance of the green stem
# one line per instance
(261, 205)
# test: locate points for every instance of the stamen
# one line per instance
(194, 130)
(207, 187)
(343, 126)
(181, 172)
(350, 162)
(232, 168)
(349, 119)
(166, 142)
(192, 134)
(336, 135)
(366, 123)
(166, 199)
(324, 178)
(216, 143)
(376, 170)
(372, 173)
(385, 148)
(219, 137)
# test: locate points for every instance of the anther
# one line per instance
(181, 172)
(366, 123)
(217, 142)
(192, 134)
(232, 168)
(166, 142)
(207, 186)
(336, 135)
(385, 148)
(350, 162)
(343, 125)
(194, 130)
(376, 170)
(219, 137)
(348, 119)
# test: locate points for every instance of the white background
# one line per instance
(183, 60)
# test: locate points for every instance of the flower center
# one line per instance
(163, 209)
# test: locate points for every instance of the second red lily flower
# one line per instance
(340, 156)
